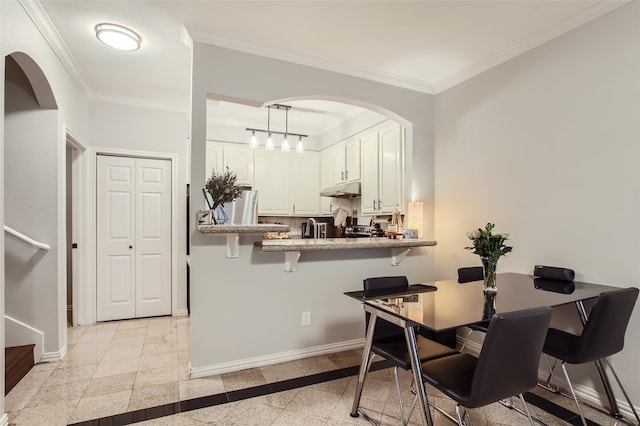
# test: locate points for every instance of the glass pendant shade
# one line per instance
(299, 146)
(285, 144)
(269, 146)
(254, 141)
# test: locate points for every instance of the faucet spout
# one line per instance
(311, 222)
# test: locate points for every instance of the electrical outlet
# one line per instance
(306, 318)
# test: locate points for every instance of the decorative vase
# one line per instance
(489, 266)
(489, 305)
(219, 215)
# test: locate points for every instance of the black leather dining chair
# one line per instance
(466, 275)
(389, 340)
(507, 365)
(602, 336)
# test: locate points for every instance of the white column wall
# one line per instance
(249, 307)
(546, 146)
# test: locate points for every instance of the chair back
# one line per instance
(470, 273)
(603, 334)
(510, 355)
(379, 286)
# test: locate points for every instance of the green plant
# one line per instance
(489, 244)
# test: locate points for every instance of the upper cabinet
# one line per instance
(346, 160)
(238, 158)
(382, 169)
(287, 183)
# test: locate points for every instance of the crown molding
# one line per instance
(598, 9)
(44, 25)
(246, 46)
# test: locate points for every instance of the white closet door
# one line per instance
(153, 238)
(133, 237)
(115, 219)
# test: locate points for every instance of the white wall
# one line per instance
(249, 307)
(19, 34)
(139, 131)
(546, 146)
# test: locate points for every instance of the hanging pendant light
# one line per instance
(299, 146)
(270, 146)
(254, 141)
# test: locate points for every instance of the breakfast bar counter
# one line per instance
(292, 247)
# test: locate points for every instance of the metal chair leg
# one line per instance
(624, 392)
(466, 340)
(395, 373)
(552, 376)
(573, 393)
(526, 409)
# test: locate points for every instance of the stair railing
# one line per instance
(25, 239)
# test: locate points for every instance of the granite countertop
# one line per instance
(309, 244)
(243, 229)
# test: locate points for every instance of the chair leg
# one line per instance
(552, 376)
(460, 422)
(624, 392)
(395, 373)
(573, 393)
(466, 340)
(526, 408)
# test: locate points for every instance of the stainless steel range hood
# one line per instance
(344, 190)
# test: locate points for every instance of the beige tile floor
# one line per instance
(115, 367)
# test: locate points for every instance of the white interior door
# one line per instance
(153, 238)
(133, 223)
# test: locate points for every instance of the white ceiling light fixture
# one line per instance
(118, 37)
(269, 146)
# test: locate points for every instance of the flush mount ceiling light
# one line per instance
(269, 146)
(118, 37)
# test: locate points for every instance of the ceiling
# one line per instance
(426, 46)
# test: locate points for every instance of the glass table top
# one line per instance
(443, 305)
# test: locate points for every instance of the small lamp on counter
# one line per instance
(415, 217)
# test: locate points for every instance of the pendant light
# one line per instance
(269, 145)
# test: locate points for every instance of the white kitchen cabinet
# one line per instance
(213, 159)
(287, 183)
(382, 169)
(305, 183)
(239, 159)
(271, 180)
(327, 179)
(346, 160)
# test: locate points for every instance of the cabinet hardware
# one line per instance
(379, 204)
(374, 205)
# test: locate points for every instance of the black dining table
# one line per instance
(445, 305)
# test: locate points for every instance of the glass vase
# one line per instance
(489, 266)
(489, 305)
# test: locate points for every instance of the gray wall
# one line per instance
(249, 307)
(546, 146)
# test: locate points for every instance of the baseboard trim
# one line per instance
(227, 367)
(53, 356)
(4, 420)
(181, 313)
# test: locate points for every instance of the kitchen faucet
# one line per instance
(311, 222)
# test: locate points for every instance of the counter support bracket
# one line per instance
(291, 260)
(397, 254)
(233, 246)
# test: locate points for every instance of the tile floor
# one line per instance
(124, 366)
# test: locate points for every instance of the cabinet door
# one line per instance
(352, 159)
(389, 170)
(213, 159)
(370, 161)
(326, 179)
(305, 184)
(239, 159)
(272, 182)
(339, 163)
